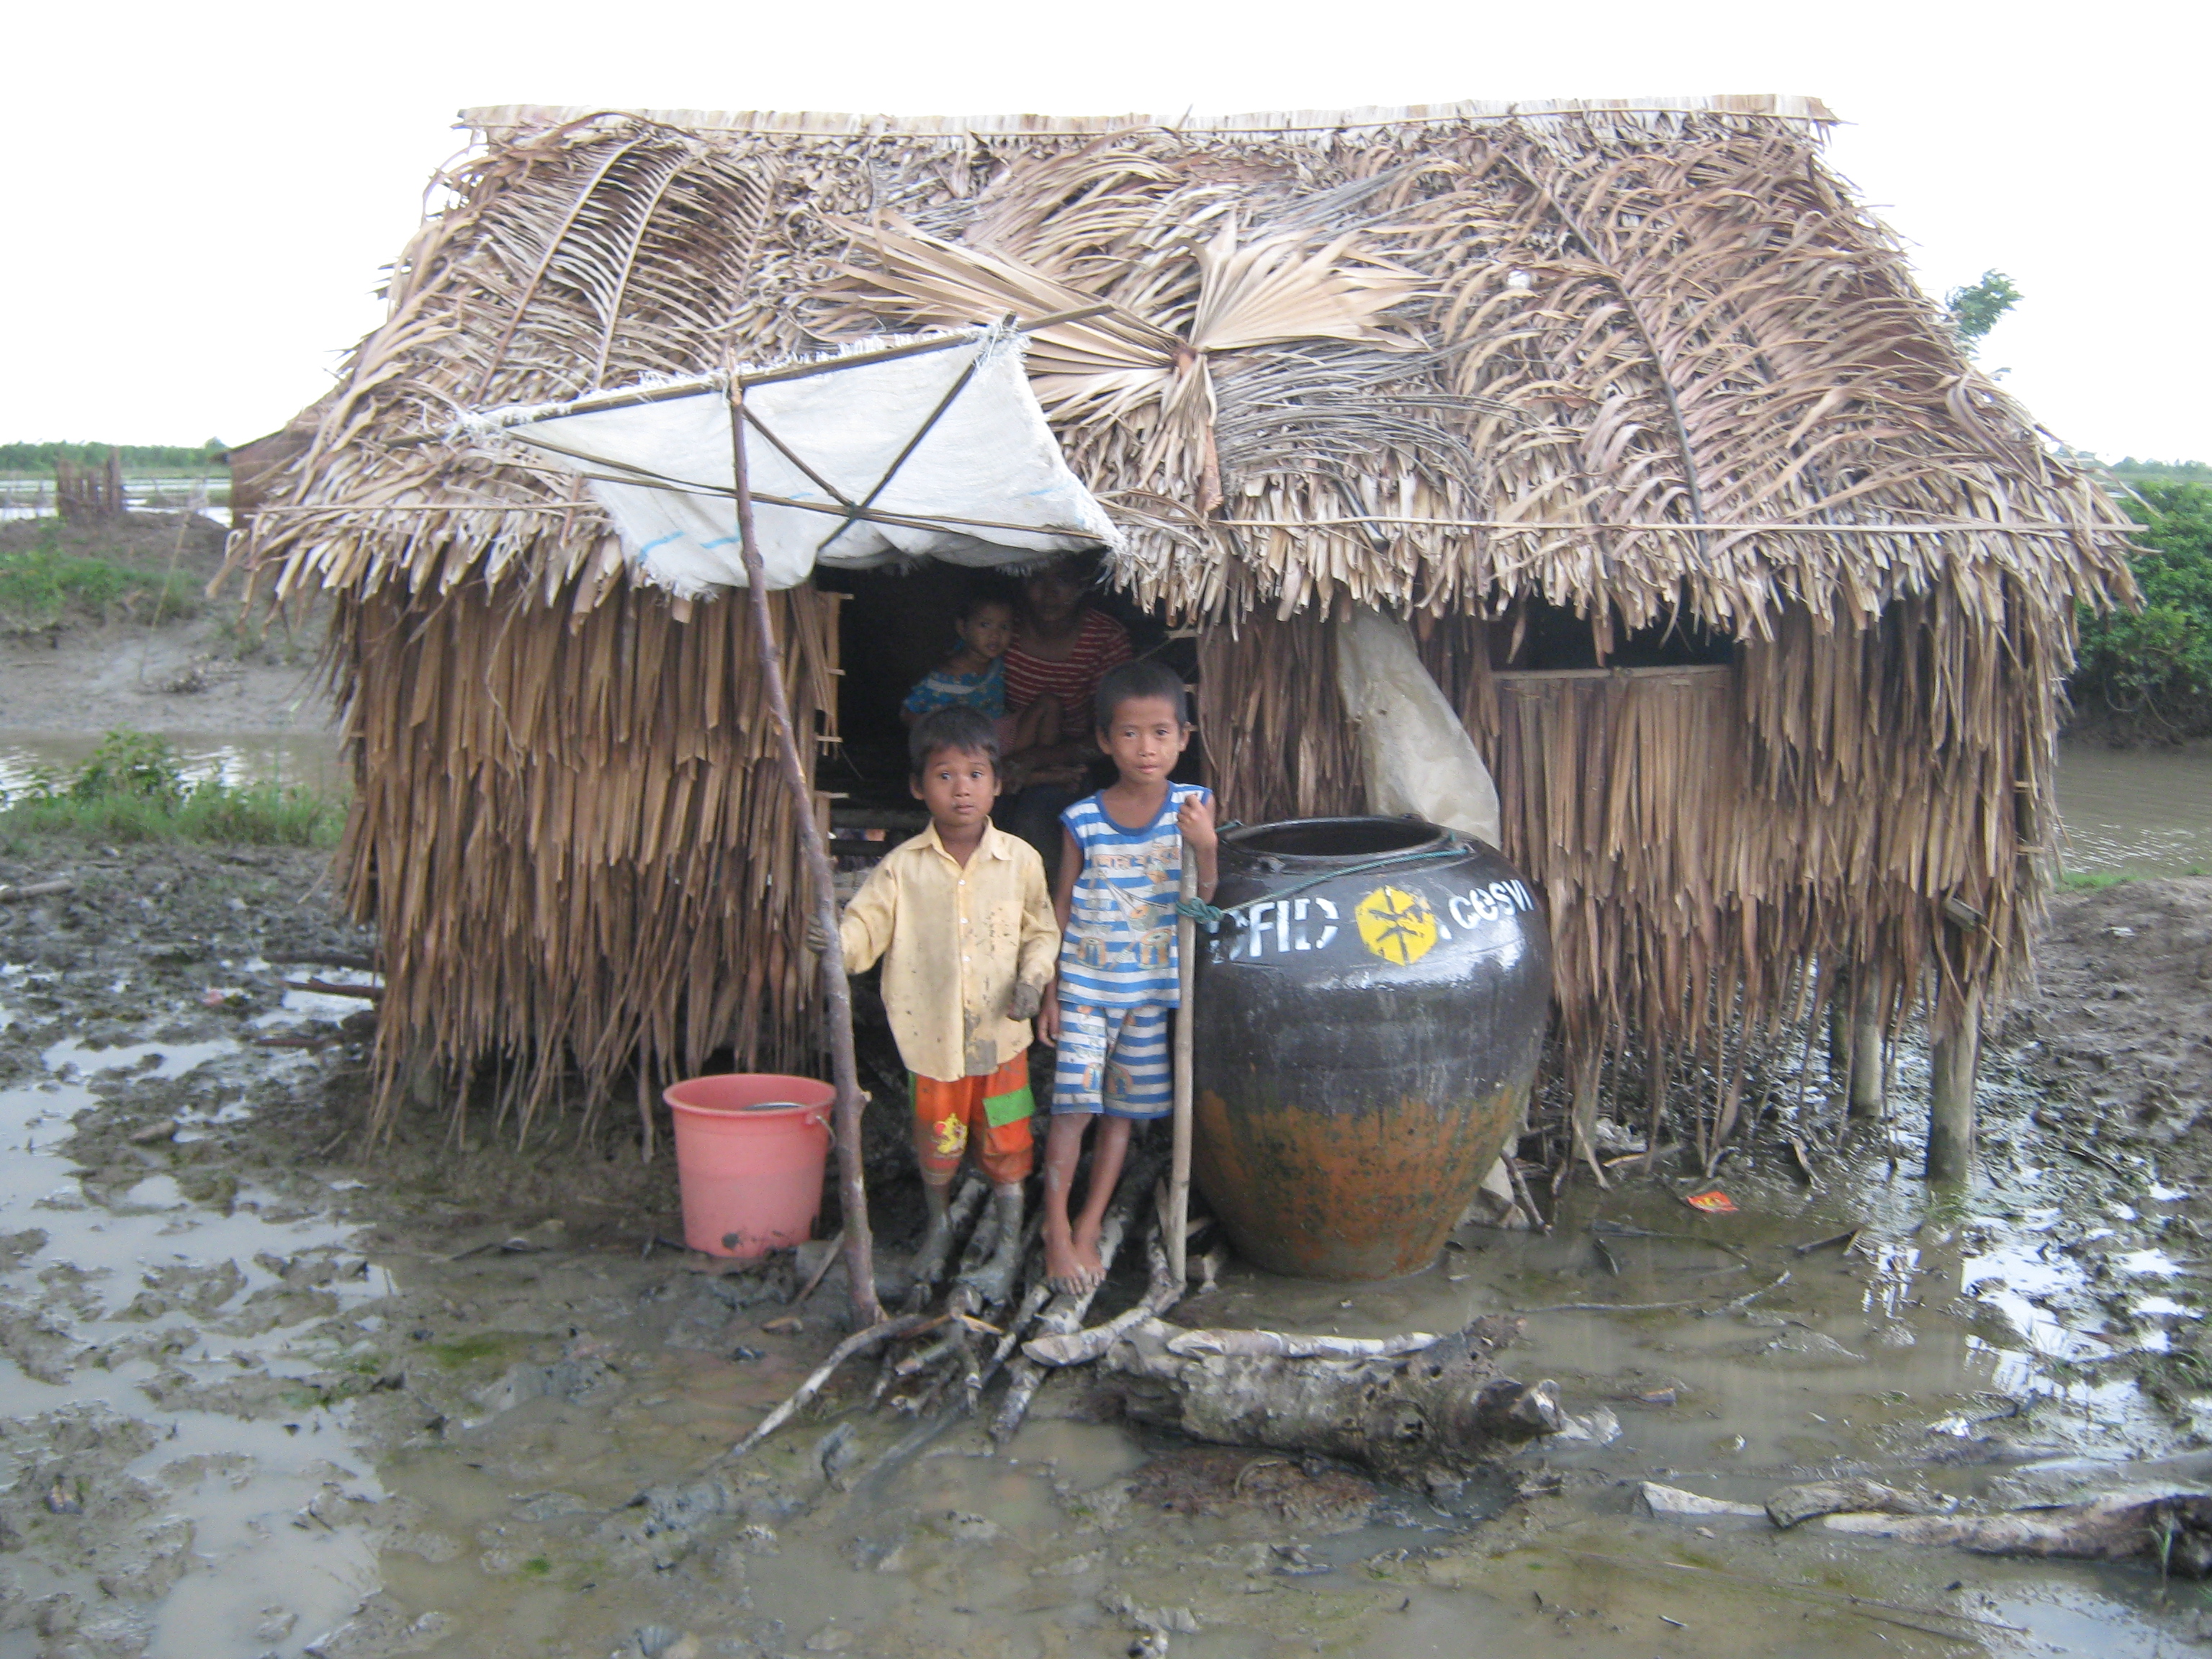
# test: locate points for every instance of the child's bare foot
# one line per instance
(1069, 1271)
(1085, 1242)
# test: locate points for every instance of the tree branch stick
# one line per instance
(836, 994)
(36, 889)
(866, 1337)
(1064, 1314)
(1175, 1221)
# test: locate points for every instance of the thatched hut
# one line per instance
(1755, 594)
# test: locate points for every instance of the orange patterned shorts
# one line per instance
(992, 1111)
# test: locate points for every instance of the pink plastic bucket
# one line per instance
(749, 1151)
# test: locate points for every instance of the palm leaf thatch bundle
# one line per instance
(1646, 360)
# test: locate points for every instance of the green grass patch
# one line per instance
(538, 1566)
(465, 1351)
(2095, 881)
(2092, 881)
(46, 585)
(134, 789)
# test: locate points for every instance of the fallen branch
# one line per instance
(330, 988)
(859, 1342)
(1260, 1345)
(1032, 1302)
(36, 889)
(1063, 1314)
(2173, 1528)
(1526, 1198)
(1080, 1347)
(822, 1271)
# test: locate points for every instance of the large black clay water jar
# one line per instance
(1369, 1024)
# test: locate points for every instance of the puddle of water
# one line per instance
(2136, 811)
(307, 758)
(240, 1480)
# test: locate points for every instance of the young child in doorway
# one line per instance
(963, 922)
(975, 676)
(1121, 871)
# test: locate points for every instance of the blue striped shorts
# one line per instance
(1113, 1060)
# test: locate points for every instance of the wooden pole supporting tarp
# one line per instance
(836, 994)
(1177, 1221)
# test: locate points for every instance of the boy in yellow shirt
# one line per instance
(962, 919)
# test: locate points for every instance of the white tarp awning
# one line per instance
(919, 447)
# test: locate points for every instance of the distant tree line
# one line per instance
(2129, 470)
(137, 458)
(2148, 677)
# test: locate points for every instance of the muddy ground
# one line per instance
(223, 668)
(270, 1389)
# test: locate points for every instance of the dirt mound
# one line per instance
(2126, 986)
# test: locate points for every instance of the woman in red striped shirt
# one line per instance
(1062, 649)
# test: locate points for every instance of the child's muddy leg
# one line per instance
(1106, 1160)
(994, 1280)
(1063, 1150)
(940, 1141)
(929, 1259)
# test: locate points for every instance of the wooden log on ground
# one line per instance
(35, 888)
(330, 988)
(1447, 1403)
(2173, 1529)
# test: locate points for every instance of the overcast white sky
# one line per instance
(203, 194)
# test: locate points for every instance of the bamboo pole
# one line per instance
(1178, 1216)
(836, 994)
(1867, 1097)
(1956, 1059)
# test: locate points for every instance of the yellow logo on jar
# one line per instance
(1397, 926)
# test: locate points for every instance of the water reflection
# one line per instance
(2137, 812)
(308, 759)
(33, 498)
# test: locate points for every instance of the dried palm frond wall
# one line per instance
(1714, 843)
(574, 839)
(1643, 360)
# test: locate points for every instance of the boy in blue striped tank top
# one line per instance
(1121, 871)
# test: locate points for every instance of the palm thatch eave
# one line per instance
(1643, 354)
(496, 123)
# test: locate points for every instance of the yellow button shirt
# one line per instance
(954, 943)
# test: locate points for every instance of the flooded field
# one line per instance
(33, 498)
(264, 1393)
(2137, 812)
(309, 759)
